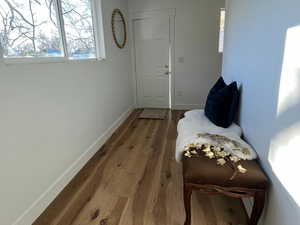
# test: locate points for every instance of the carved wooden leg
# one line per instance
(259, 202)
(187, 203)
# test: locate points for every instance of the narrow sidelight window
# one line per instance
(222, 30)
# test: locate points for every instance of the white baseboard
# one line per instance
(186, 106)
(31, 214)
(248, 203)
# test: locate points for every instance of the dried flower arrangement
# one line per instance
(217, 152)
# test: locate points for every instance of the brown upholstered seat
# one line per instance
(203, 174)
(202, 170)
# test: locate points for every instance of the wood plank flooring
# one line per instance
(135, 180)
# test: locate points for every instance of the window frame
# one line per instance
(221, 50)
(98, 31)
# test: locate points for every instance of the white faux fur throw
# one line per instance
(195, 122)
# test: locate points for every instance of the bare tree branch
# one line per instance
(19, 31)
(13, 9)
(33, 25)
(49, 4)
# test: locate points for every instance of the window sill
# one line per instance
(13, 61)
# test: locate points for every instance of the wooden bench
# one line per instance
(203, 174)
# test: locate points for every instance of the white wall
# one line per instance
(196, 40)
(262, 52)
(50, 115)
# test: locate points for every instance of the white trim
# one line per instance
(133, 66)
(30, 215)
(61, 27)
(152, 13)
(187, 106)
(172, 60)
(46, 60)
(98, 26)
(171, 13)
(248, 203)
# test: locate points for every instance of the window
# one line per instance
(48, 29)
(222, 30)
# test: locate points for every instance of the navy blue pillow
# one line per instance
(222, 103)
(218, 86)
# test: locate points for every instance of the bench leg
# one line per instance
(187, 203)
(259, 202)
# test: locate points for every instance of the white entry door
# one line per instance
(152, 60)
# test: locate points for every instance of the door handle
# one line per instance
(167, 73)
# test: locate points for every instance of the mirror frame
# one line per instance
(115, 12)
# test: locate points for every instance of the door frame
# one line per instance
(171, 13)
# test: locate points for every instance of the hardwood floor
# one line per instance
(134, 180)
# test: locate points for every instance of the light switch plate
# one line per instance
(181, 59)
(179, 93)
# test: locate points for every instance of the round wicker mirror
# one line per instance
(119, 28)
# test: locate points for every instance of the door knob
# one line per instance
(167, 73)
(167, 66)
